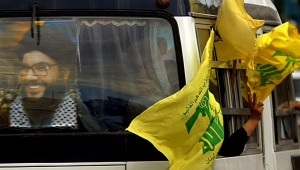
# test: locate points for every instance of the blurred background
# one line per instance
(289, 10)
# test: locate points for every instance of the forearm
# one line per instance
(250, 125)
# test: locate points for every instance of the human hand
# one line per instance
(255, 108)
(290, 107)
(256, 114)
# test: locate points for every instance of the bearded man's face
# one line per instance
(40, 73)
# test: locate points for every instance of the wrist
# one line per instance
(250, 125)
(254, 120)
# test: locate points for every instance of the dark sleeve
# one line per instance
(234, 144)
(4, 119)
(86, 120)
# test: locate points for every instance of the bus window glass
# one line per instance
(283, 122)
(126, 65)
(296, 81)
(203, 36)
(87, 74)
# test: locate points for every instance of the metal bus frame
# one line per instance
(123, 150)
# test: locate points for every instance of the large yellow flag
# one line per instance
(268, 59)
(278, 56)
(236, 31)
(186, 127)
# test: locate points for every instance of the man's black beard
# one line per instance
(40, 111)
(55, 90)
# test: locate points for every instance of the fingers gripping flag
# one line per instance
(186, 127)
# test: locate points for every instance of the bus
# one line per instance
(75, 73)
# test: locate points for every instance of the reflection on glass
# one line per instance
(296, 81)
(289, 109)
(284, 123)
(86, 74)
(126, 66)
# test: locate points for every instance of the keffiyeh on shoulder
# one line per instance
(65, 115)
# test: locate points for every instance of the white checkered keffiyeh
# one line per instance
(65, 114)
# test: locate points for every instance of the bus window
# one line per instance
(285, 115)
(83, 74)
(296, 81)
(202, 38)
(126, 65)
(203, 33)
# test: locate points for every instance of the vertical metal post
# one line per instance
(238, 98)
(229, 98)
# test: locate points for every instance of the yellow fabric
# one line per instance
(213, 77)
(278, 55)
(186, 127)
(237, 31)
(268, 60)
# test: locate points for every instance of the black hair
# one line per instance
(52, 43)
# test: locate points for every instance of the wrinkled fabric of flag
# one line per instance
(186, 127)
(278, 56)
(269, 59)
(237, 32)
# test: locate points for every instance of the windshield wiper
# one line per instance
(34, 7)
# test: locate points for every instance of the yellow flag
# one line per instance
(186, 127)
(268, 60)
(236, 31)
(278, 55)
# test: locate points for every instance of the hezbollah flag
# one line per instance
(268, 59)
(278, 56)
(186, 127)
(236, 31)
